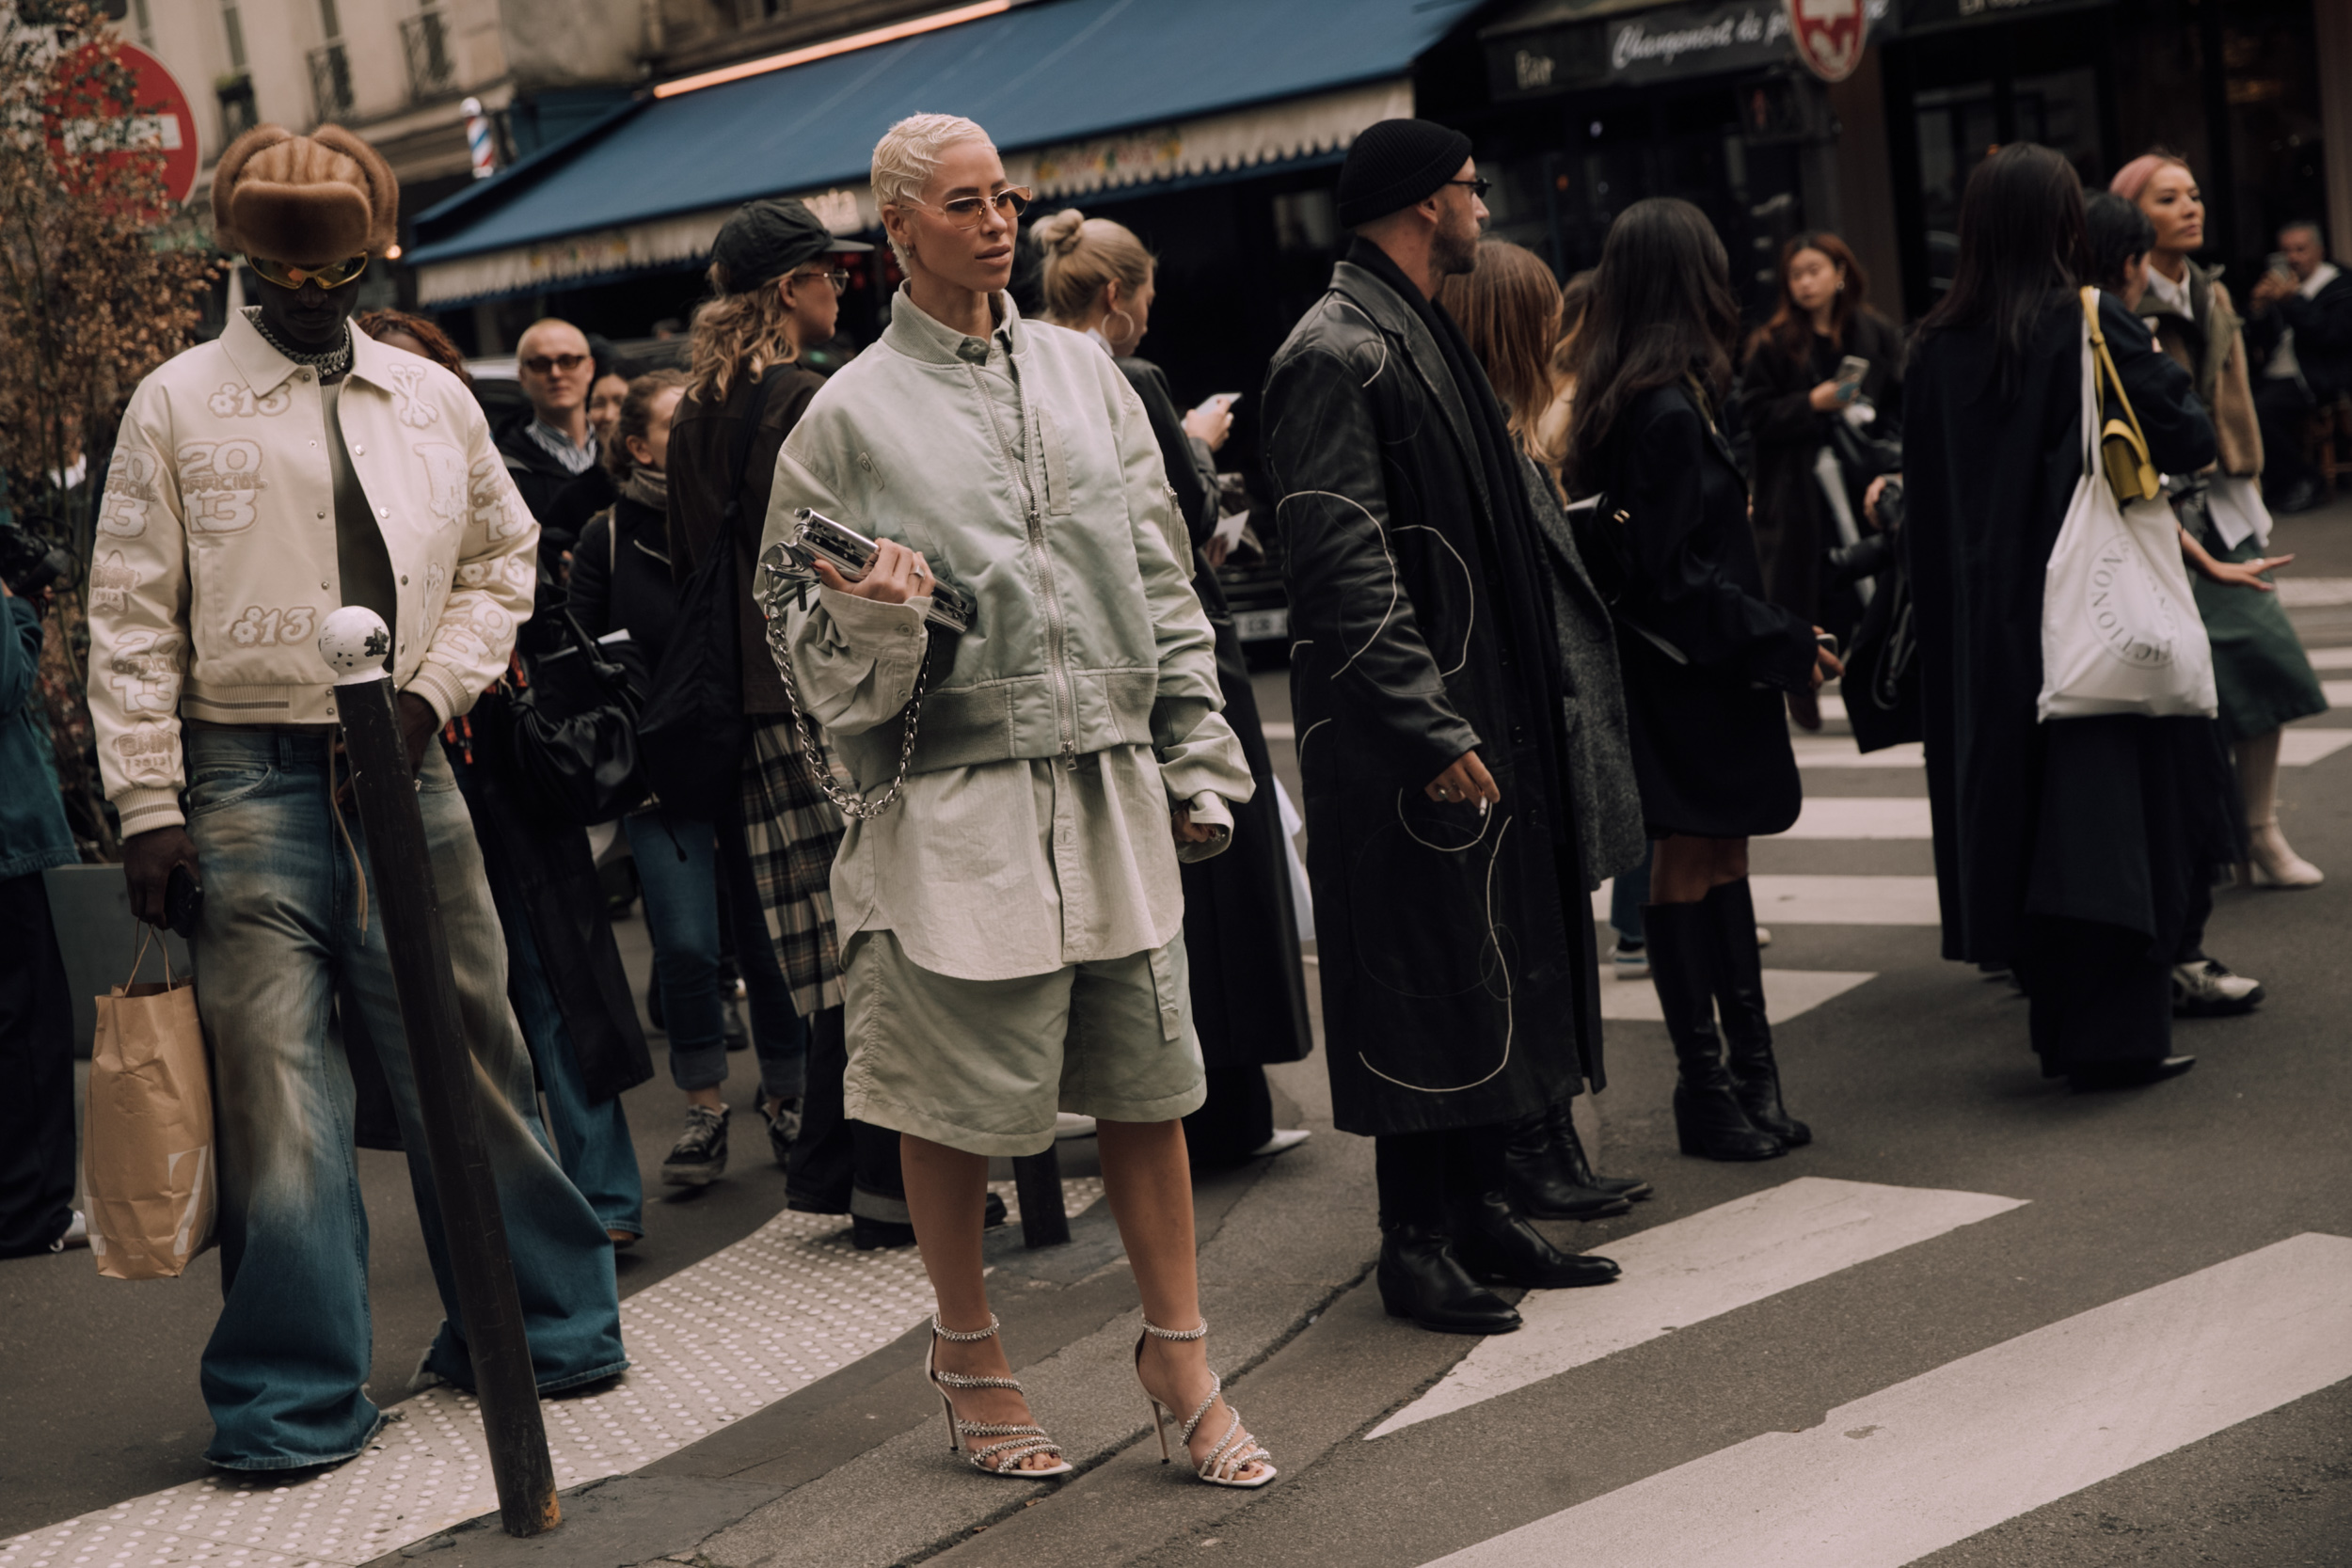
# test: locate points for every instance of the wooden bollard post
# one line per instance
(1036, 1181)
(356, 644)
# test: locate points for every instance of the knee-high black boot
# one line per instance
(1707, 1117)
(1747, 1028)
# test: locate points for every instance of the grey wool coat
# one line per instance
(1607, 800)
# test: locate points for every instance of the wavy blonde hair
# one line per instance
(737, 335)
(1508, 308)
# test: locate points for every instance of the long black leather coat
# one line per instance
(1455, 950)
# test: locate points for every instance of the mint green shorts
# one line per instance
(983, 1064)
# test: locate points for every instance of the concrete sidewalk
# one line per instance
(854, 1470)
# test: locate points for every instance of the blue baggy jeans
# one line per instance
(281, 926)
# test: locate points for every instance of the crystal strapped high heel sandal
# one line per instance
(1014, 1442)
(1235, 1452)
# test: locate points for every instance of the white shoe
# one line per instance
(77, 1232)
(2273, 863)
(1763, 936)
(1630, 963)
(2207, 989)
(1068, 1125)
(1284, 1140)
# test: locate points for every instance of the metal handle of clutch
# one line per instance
(816, 537)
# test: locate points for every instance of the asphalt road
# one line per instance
(2127, 1306)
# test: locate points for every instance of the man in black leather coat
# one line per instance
(1457, 946)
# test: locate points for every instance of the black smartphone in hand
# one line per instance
(183, 900)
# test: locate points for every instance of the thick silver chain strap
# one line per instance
(779, 586)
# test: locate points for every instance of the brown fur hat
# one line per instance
(308, 200)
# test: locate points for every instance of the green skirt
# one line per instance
(2263, 675)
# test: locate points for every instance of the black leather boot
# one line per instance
(1569, 1149)
(1543, 1184)
(1738, 977)
(1499, 1247)
(1419, 1278)
(1708, 1119)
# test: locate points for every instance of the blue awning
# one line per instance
(1041, 75)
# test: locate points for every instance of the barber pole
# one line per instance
(478, 141)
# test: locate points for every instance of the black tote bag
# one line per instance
(691, 734)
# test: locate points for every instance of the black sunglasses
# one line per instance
(1477, 187)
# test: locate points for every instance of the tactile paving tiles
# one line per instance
(742, 1329)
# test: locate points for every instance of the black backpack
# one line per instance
(691, 733)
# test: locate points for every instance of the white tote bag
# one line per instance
(2119, 629)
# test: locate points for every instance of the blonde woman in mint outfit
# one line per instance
(1013, 927)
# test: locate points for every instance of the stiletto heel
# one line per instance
(1235, 1452)
(1016, 1443)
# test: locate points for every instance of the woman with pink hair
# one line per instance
(2264, 677)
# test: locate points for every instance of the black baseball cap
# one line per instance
(763, 240)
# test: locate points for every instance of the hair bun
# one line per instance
(1060, 232)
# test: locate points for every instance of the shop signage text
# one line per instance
(1671, 43)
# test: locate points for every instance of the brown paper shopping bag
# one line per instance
(146, 1136)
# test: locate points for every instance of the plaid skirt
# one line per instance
(791, 833)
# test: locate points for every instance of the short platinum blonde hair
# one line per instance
(908, 155)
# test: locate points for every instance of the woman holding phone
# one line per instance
(1824, 352)
(1707, 655)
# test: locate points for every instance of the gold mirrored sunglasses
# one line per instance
(332, 275)
(970, 212)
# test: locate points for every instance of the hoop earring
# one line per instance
(1123, 316)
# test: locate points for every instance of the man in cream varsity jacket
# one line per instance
(261, 481)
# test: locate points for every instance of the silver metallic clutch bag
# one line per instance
(788, 569)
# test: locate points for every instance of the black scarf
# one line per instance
(1518, 572)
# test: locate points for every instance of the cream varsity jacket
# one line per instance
(214, 562)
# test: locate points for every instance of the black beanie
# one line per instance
(1395, 163)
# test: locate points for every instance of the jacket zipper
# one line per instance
(1056, 633)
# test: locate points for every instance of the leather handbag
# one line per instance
(572, 735)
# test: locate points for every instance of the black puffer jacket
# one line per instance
(1456, 949)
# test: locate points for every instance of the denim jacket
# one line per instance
(33, 831)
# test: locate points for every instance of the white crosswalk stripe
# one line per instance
(1861, 817)
(1690, 1270)
(1905, 1472)
(1797, 899)
(1789, 993)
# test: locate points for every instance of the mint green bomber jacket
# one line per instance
(1089, 635)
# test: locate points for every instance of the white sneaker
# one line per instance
(1629, 961)
(1284, 1140)
(1068, 1125)
(2205, 988)
(1763, 936)
(77, 1232)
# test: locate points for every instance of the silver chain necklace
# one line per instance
(330, 363)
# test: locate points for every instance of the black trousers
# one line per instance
(840, 1166)
(1423, 1176)
(1236, 1118)
(36, 1073)
(2281, 409)
(2096, 997)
